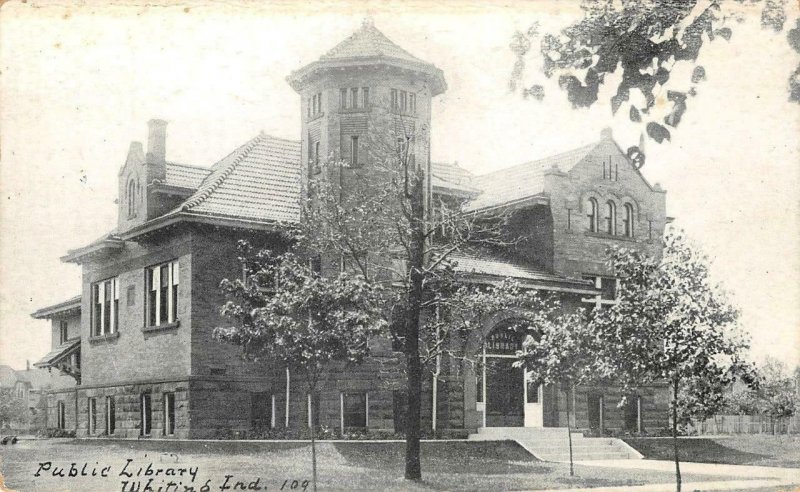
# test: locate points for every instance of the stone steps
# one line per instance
(552, 443)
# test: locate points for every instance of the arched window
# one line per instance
(628, 220)
(131, 198)
(611, 218)
(592, 215)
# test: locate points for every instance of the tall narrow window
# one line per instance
(169, 414)
(628, 220)
(365, 97)
(316, 153)
(412, 103)
(162, 293)
(354, 151)
(343, 98)
(92, 413)
(354, 97)
(111, 416)
(61, 415)
(403, 101)
(261, 410)
(395, 103)
(592, 215)
(354, 410)
(63, 333)
(611, 218)
(319, 103)
(105, 307)
(145, 414)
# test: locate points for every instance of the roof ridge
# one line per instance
(209, 189)
(587, 147)
(193, 166)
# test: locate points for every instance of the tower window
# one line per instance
(412, 103)
(628, 220)
(365, 96)
(592, 215)
(315, 105)
(395, 102)
(343, 98)
(354, 151)
(354, 97)
(611, 218)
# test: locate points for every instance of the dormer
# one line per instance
(140, 170)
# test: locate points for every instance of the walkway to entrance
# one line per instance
(552, 443)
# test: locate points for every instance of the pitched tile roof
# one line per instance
(260, 181)
(452, 177)
(73, 303)
(59, 353)
(486, 266)
(185, 176)
(368, 42)
(523, 180)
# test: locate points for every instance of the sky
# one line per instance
(80, 82)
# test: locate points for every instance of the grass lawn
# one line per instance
(342, 466)
(753, 449)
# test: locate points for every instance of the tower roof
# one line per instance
(369, 46)
(368, 42)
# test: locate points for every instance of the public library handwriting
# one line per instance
(152, 477)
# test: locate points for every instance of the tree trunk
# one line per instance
(313, 448)
(413, 314)
(569, 433)
(675, 435)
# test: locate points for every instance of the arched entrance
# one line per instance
(509, 398)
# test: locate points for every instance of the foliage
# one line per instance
(670, 324)
(647, 40)
(55, 433)
(776, 390)
(308, 321)
(13, 410)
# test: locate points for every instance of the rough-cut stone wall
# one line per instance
(576, 251)
(135, 354)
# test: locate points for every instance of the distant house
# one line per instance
(138, 337)
(31, 387)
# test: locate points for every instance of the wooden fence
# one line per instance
(748, 424)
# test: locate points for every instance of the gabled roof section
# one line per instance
(70, 306)
(452, 179)
(259, 181)
(368, 42)
(185, 176)
(523, 180)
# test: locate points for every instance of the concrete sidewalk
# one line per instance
(742, 476)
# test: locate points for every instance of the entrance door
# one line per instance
(504, 393)
(534, 414)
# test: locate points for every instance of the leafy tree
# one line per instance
(670, 324)
(285, 311)
(379, 220)
(13, 410)
(776, 395)
(647, 40)
(558, 350)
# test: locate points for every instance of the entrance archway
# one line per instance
(510, 398)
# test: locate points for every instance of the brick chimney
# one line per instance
(156, 141)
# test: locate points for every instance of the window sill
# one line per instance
(104, 338)
(354, 110)
(604, 235)
(165, 326)
(399, 112)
